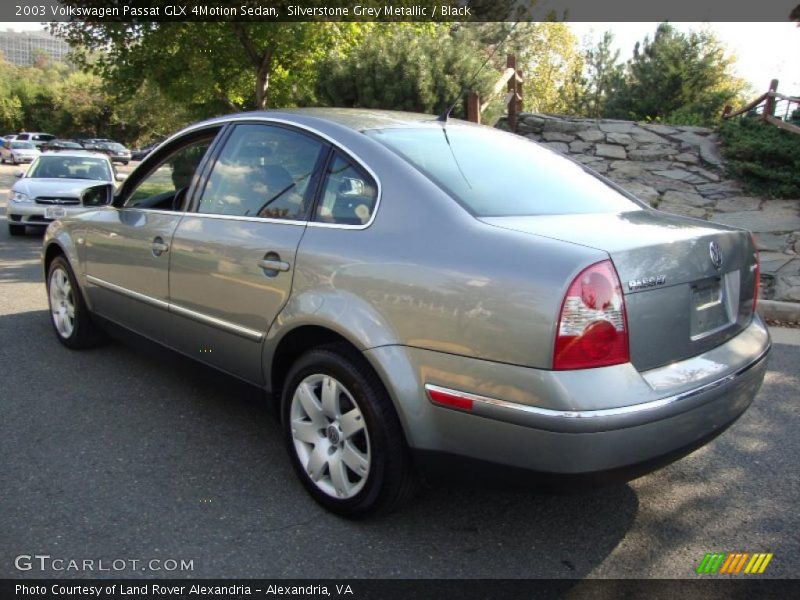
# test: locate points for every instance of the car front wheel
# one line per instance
(343, 435)
(68, 312)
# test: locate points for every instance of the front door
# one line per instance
(127, 247)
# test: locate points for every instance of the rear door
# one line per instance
(233, 255)
(127, 247)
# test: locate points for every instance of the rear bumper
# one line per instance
(580, 423)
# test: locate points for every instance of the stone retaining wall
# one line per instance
(679, 169)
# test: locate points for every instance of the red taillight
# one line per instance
(592, 327)
(757, 287)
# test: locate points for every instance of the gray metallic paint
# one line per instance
(432, 295)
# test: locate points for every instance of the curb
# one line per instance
(779, 311)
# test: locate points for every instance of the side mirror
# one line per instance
(120, 176)
(19, 174)
(98, 195)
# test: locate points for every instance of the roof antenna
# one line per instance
(442, 118)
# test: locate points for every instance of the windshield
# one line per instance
(22, 146)
(70, 167)
(497, 174)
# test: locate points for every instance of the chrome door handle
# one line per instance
(273, 265)
(159, 247)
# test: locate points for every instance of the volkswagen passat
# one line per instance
(54, 187)
(421, 295)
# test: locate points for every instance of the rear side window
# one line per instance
(348, 196)
(497, 174)
(263, 171)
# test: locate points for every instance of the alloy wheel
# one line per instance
(62, 303)
(330, 436)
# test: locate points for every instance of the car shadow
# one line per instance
(130, 447)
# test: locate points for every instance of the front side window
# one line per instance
(263, 171)
(71, 167)
(349, 194)
(166, 185)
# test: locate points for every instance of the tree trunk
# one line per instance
(261, 60)
(262, 80)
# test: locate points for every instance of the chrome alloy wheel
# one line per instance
(330, 436)
(62, 303)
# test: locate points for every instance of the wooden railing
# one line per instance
(772, 107)
(511, 79)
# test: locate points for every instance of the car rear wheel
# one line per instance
(68, 312)
(16, 229)
(343, 435)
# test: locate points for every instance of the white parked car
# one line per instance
(56, 185)
(18, 152)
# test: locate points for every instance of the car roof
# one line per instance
(358, 119)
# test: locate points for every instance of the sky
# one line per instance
(763, 51)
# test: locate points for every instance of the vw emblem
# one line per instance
(716, 255)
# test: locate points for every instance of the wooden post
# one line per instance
(519, 91)
(769, 107)
(473, 107)
(511, 63)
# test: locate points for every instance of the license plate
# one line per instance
(54, 212)
(709, 308)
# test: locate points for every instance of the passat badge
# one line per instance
(646, 282)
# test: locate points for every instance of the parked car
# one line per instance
(418, 294)
(18, 152)
(92, 144)
(59, 145)
(37, 138)
(116, 151)
(141, 153)
(55, 186)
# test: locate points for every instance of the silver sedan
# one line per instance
(54, 187)
(421, 296)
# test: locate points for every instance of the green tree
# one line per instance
(548, 55)
(208, 67)
(423, 68)
(676, 77)
(603, 75)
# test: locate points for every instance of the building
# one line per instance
(22, 47)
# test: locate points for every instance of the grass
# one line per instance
(764, 158)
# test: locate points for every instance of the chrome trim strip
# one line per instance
(126, 292)
(335, 143)
(244, 218)
(245, 332)
(605, 412)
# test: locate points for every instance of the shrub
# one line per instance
(766, 159)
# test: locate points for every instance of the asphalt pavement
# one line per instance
(129, 453)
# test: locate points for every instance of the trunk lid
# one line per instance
(688, 284)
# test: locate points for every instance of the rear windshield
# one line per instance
(22, 146)
(497, 174)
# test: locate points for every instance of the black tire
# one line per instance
(84, 333)
(391, 479)
(16, 230)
